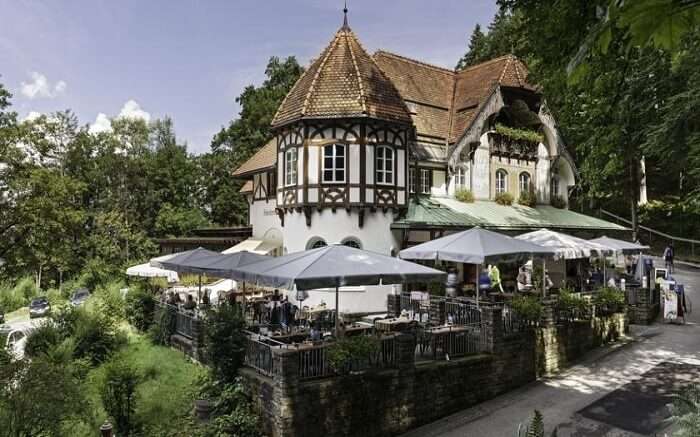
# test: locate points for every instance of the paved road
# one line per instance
(603, 375)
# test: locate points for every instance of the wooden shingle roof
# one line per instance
(264, 158)
(343, 82)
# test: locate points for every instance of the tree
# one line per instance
(172, 221)
(226, 341)
(477, 48)
(118, 394)
(503, 37)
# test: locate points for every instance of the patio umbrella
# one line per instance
(335, 266)
(620, 246)
(475, 246)
(148, 271)
(565, 246)
(187, 262)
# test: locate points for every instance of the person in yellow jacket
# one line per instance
(495, 277)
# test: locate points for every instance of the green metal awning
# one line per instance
(441, 213)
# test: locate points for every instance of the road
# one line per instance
(617, 391)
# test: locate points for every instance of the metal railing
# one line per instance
(183, 324)
(258, 353)
(462, 313)
(417, 309)
(451, 342)
(512, 323)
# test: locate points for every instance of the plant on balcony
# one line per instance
(464, 195)
(351, 353)
(572, 306)
(517, 134)
(609, 300)
(558, 202)
(528, 198)
(505, 199)
(528, 308)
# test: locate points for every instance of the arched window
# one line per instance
(315, 243)
(385, 165)
(460, 177)
(334, 163)
(555, 185)
(501, 181)
(290, 166)
(352, 242)
(524, 182)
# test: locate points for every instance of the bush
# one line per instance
(575, 306)
(225, 341)
(528, 198)
(686, 412)
(558, 202)
(43, 338)
(107, 299)
(348, 353)
(140, 308)
(528, 308)
(163, 325)
(505, 199)
(118, 394)
(12, 299)
(464, 195)
(609, 300)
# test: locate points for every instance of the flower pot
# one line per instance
(202, 408)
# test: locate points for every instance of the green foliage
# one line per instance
(172, 222)
(685, 412)
(573, 305)
(42, 339)
(225, 341)
(233, 413)
(348, 353)
(39, 398)
(502, 38)
(536, 427)
(519, 134)
(557, 201)
(163, 326)
(505, 199)
(528, 308)
(528, 198)
(464, 195)
(118, 394)
(140, 308)
(19, 296)
(609, 300)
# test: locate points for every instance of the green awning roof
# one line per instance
(437, 212)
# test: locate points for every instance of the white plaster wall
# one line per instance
(313, 164)
(376, 236)
(481, 170)
(401, 166)
(439, 187)
(369, 162)
(542, 175)
(354, 163)
(264, 219)
(566, 178)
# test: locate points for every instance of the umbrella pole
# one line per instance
(544, 278)
(199, 292)
(337, 313)
(478, 284)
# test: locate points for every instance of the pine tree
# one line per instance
(478, 45)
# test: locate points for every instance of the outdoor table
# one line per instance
(292, 337)
(391, 325)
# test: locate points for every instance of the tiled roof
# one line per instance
(264, 158)
(247, 187)
(445, 101)
(424, 212)
(343, 82)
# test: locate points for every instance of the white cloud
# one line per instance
(132, 109)
(33, 115)
(101, 124)
(40, 87)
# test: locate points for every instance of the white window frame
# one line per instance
(385, 176)
(290, 166)
(526, 188)
(411, 179)
(461, 177)
(501, 189)
(425, 180)
(334, 168)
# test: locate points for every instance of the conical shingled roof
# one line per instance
(344, 82)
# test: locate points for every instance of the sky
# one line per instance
(189, 60)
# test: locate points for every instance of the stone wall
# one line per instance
(642, 309)
(559, 345)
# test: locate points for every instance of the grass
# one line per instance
(165, 395)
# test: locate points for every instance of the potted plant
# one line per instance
(505, 199)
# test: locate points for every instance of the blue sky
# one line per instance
(190, 59)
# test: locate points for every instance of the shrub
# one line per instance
(609, 300)
(118, 394)
(233, 413)
(574, 306)
(163, 325)
(528, 198)
(96, 337)
(505, 199)
(558, 202)
(464, 195)
(349, 353)
(43, 338)
(686, 412)
(12, 299)
(519, 134)
(225, 341)
(140, 307)
(528, 308)
(108, 300)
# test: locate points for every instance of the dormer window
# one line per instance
(290, 166)
(385, 165)
(334, 163)
(501, 181)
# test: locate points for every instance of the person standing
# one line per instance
(668, 257)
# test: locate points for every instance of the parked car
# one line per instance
(40, 307)
(2, 317)
(16, 342)
(79, 297)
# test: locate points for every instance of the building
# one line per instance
(370, 150)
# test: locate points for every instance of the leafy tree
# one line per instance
(226, 341)
(173, 221)
(118, 394)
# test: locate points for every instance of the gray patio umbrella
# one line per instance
(476, 246)
(189, 261)
(619, 245)
(335, 266)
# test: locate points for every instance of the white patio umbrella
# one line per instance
(335, 266)
(148, 271)
(475, 246)
(620, 246)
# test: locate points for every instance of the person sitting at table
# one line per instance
(484, 280)
(190, 304)
(315, 333)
